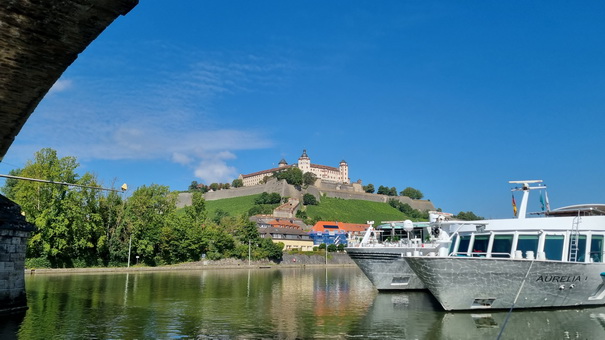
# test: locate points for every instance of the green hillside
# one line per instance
(234, 206)
(330, 209)
(353, 211)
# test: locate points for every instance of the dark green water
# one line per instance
(338, 303)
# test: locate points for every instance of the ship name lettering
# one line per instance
(559, 278)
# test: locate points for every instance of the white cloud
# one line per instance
(164, 116)
(60, 86)
(181, 158)
(214, 169)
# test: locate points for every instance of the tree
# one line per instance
(412, 193)
(369, 188)
(332, 248)
(237, 183)
(193, 186)
(214, 186)
(197, 210)
(392, 191)
(69, 226)
(293, 176)
(146, 213)
(468, 216)
(309, 178)
(309, 199)
(382, 190)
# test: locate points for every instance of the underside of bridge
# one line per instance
(39, 39)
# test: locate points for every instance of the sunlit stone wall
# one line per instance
(14, 232)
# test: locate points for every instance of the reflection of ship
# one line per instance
(400, 315)
(417, 315)
(380, 255)
(554, 260)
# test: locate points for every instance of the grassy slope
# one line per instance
(234, 206)
(330, 209)
(354, 211)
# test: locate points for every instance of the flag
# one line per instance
(547, 202)
(514, 206)
(542, 200)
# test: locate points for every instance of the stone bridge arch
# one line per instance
(39, 39)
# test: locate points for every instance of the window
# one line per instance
(527, 243)
(581, 248)
(464, 241)
(480, 245)
(553, 247)
(596, 248)
(453, 244)
(502, 245)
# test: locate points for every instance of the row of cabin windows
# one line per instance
(553, 246)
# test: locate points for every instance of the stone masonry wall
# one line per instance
(13, 244)
(14, 231)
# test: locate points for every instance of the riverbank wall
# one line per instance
(288, 261)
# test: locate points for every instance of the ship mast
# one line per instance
(525, 188)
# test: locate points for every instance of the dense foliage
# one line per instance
(412, 193)
(309, 199)
(467, 216)
(87, 227)
(293, 176)
(408, 210)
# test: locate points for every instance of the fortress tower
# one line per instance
(323, 172)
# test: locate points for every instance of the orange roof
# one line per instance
(348, 227)
(283, 224)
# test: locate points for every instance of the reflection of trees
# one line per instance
(221, 303)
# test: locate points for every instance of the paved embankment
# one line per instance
(288, 261)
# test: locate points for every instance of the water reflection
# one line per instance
(416, 315)
(272, 303)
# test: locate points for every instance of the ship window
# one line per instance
(464, 241)
(502, 245)
(596, 248)
(581, 248)
(453, 244)
(528, 243)
(480, 245)
(553, 247)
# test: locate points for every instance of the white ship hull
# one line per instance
(386, 267)
(469, 283)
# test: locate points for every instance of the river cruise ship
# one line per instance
(380, 254)
(551, 260)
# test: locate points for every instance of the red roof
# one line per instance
(348, 227)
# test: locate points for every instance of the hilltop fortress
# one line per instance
(331, 182)
(322, 172)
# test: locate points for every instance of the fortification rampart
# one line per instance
(422, 205)
(281, 187)
(334, 190)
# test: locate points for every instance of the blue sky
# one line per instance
(452, 98)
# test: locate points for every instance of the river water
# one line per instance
(290, 303)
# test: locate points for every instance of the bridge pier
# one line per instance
(14, 232)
